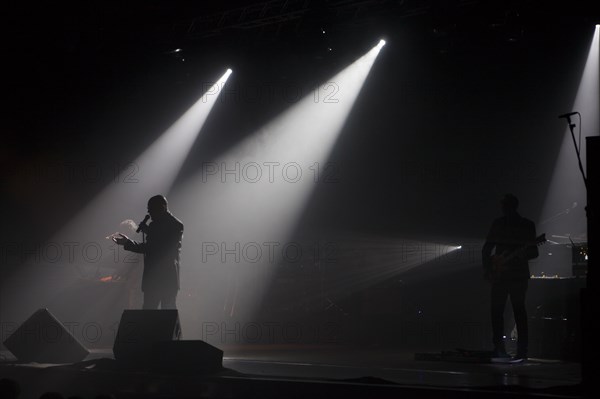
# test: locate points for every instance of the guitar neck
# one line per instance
(538, 241)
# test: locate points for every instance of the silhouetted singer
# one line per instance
(513, 240)
(160, 281)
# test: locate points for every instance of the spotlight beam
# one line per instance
(566, 186)
(255, 192)
(153, 172)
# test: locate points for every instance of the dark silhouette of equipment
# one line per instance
(579, 259)
(567, 115)
(42, 338)
(589, 295)
(139, 330)
(151, 339)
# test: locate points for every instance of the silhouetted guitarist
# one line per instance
(512, 238)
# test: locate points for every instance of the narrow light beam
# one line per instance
(81, 242)
(561, 213)
(241, 208)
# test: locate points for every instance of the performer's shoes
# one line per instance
(519, 358)
(506, 358)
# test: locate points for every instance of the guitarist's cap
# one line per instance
(510, 202)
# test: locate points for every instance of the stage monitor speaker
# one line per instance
(139, 330)
(44, 339)
(186, 356)
(151, 339)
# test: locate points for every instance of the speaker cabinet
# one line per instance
(187, 356)
(44, 339)
(139, 330)
(151, 339)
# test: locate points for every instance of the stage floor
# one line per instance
(297, 368)
(400, 368)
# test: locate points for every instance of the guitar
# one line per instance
(500, 261)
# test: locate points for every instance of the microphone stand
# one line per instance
(571, 126)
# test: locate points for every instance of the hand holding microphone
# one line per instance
(122, 239)
(143, 226)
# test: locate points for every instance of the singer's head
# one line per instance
(509, 203)
(157, 207)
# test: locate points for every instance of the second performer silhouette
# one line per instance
(513, 240)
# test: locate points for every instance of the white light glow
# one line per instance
(560, 214)
(364, 262)
(252, 196)
(153, 172)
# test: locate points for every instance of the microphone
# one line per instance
(143, 223)
(567, 115)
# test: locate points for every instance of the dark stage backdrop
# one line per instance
(454, 114)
